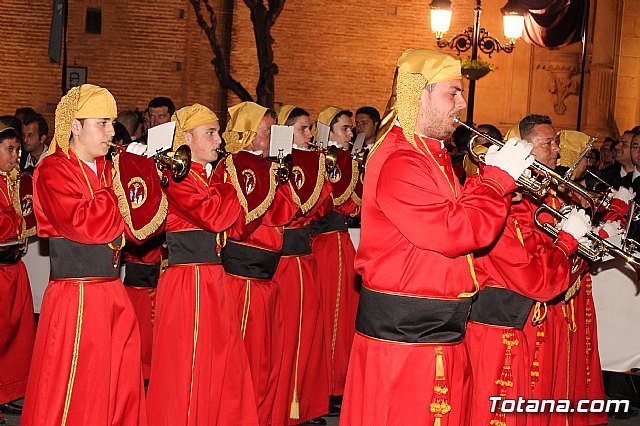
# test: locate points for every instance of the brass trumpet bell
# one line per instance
(179, 161)
(360, 157)
(330, 154)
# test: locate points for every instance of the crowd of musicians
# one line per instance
(244, 301)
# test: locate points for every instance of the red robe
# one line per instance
(303, 376)
(86, 364)
(335, 253)
(17, 321)
(143, 298)
(259, 303)
(417, 228)
(523, 260)
(200, 372)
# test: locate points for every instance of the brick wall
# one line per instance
(328, 51)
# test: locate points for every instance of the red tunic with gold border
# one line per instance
(303, 387)
(250, 258)
(408, 363)
(577, 372)
(199, 372)
(335, 255)
(17, 321)
(86, 367)
(142, 271)
(521, 267)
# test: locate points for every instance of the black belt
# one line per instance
(249, 261)
(188, 247)
(142, 274)
(297, 242)
(411, 319)
(501, 307)
(10, 255)
(334, 221)
(76, 260)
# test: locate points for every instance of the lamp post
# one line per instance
(475, 37)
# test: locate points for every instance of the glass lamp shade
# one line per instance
(440, 21)
(513, 26)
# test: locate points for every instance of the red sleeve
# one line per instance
(539, 269)
(324, 206)
(64, 206)
(282, 210)
(9, 223)
(349, 207)
(213, 208)
(415, 202)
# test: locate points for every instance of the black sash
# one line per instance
(10, 255)
(248, 261)
(76, 260)
(409, 319)
(188, 247)
(334, 221)
(297, 242)
(141, 274)
(502, 307)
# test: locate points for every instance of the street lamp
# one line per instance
(476, 37)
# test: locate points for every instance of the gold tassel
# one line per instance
(440, 402)
(295, 407)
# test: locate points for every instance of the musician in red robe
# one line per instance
(409, 363)
(335, 252)
(303, 383)
(199, 370)
(250, 258)
(522, 267)
(17, 321)
(86, 366)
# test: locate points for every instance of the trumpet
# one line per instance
(222, 153)
(330, 154)
(360, 157)
(178, 161)
(598, 247)
(285, 164)
(543, 177)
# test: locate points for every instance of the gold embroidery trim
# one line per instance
(123, 206)
(313, 199)
(264, 205)
(355, 174)
(76, 351)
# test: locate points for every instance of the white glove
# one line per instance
(624, 194)
(137, 148)
(611, 231)
(513, 157)
(577, 224)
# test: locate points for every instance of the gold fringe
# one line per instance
(264, 205)
(355, 174)
(313, 199)
(572, 290)
(123, 205)
(440, 402)
(66, 109)
(76, 353)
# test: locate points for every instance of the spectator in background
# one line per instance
(129, 120)
(35, 132)
(368, 122)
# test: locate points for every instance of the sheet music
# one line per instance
(359, 143)
(281, 140)
(160, 138)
